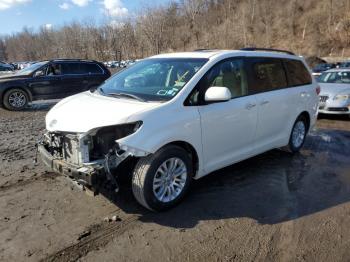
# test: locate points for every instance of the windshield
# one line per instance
(335, 77)
(153, 79)
(30, 69)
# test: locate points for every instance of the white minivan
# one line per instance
(172, 118)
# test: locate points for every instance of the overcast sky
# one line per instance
(15, 14)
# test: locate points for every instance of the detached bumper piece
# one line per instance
(88, 175)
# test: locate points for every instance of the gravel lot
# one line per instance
(272, 207)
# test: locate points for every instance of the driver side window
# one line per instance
(49, 70)
(229, 73)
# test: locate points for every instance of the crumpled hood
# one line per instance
(334, 89)
(85, 111)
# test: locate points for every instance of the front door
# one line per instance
(228, 128)
(45, 84)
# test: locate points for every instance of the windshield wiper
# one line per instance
(127, 95)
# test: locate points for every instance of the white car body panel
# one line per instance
(228, 131)
(85, 111)
(208, 129)
(161, 127)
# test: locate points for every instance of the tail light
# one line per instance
(318, 90)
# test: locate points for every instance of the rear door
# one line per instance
(93, 74)
(73, 78)
(275, 101)
(228, 128)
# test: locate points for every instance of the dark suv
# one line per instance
(50, 80)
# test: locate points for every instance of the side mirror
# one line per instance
(38, 73)
(217, 94)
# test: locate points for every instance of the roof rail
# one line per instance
(72, 59)
(266, 49)
(204, 49)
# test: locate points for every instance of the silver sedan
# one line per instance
(335, 92)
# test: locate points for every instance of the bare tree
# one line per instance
(310, 27)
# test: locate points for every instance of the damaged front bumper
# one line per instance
(80, 158)
(91, 174)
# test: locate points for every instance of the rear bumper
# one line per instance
(89, 175)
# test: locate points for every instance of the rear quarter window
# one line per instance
(297, 73)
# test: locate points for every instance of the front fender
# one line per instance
(154, 135)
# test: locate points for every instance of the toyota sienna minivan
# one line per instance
(172, 118)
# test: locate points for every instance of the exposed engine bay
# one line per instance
(89, 156)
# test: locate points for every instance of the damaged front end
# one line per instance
(91, 159)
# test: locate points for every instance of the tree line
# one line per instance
(313, 27)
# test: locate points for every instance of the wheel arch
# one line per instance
(30, 96)
(190, 150)
(307, 117)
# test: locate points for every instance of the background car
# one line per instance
(7, 66)
(345, 64)
(50, 80)
(5, 69)
(335, 92)
(318, 69)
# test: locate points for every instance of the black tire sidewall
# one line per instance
(158, 159)
(6, 103)
(292, 147)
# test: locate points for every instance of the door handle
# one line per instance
(302, 94)
(250, 106)
(264, 102)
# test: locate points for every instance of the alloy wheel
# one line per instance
(170, 179)
(17, 99)
(298, 134)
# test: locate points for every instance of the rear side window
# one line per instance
(267, 74)
(70, 68)
(297, 73)
(89, 68)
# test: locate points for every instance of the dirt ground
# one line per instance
(273, 207)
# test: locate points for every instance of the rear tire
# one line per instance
(15, 99)
(161, 180)
(298, 134)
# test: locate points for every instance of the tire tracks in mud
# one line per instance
(45, 176)
(98, 236)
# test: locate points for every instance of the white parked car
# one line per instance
(335, 92)
(173, 118)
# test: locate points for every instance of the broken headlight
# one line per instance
(104, 138)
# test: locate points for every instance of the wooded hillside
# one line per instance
(312, 27)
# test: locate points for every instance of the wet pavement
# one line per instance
(275, 206)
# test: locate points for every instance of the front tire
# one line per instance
(15, 99)
(298, 134)
(161, 180)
